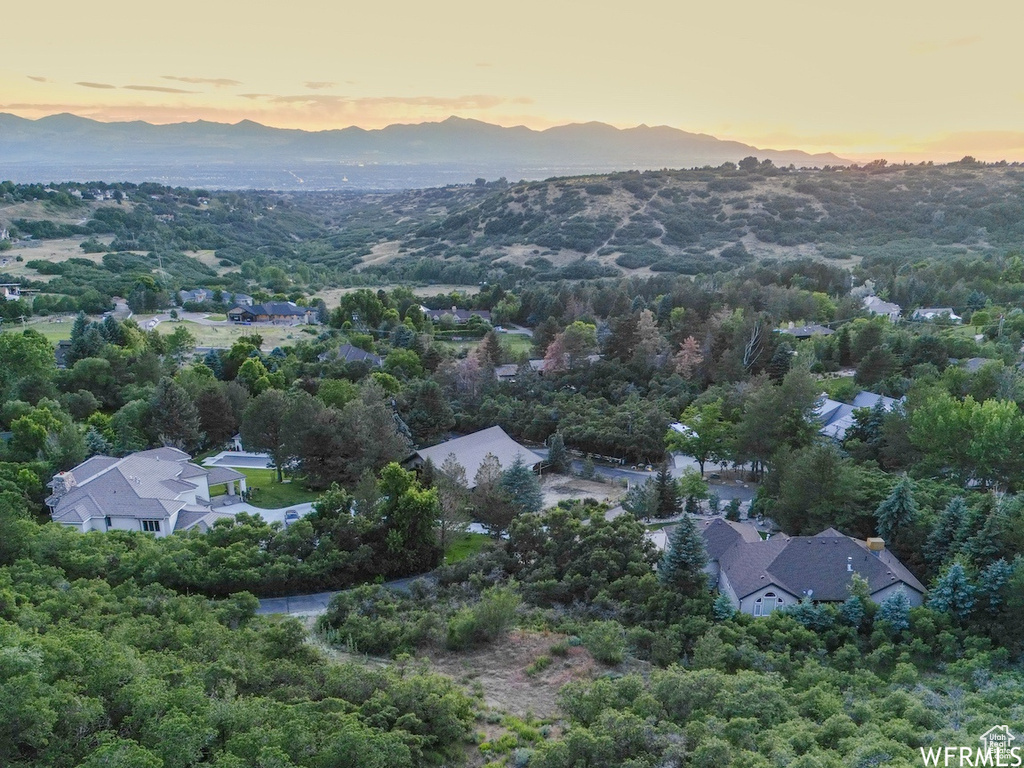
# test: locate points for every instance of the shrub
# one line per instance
(606, 641)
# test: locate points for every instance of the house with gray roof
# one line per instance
(471, 450)
(459, 316)
(877, 306)
(159, 491)
(272, 312)
(347, 353)
(836, 418)
(930, 314)
(760, 576)
(805, 331)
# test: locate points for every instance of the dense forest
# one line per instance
(121, 649)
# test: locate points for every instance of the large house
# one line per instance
(806, 331)
(471, 450)
(836, 418)
(877, 306)
(930, 314)
(204, 295)
(459, 316)
(10, 291)
(759, 576)
(272, 312)
(347, 353)
(158, 491)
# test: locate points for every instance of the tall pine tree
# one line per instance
(683, 563)
(558, 458)
(897, 511)
(174, 417)
(666, 494)
(939, 545)
(953, 593)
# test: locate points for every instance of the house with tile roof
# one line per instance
(760, 576)
(471, 450)
(159, 491)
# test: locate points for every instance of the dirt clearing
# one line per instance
(558, 488)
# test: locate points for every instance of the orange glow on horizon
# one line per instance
(916, 81)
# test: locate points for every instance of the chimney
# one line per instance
(454, 310)
(876, 546)
(62, 484)
(849, 565)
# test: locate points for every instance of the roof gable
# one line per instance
(471, 450)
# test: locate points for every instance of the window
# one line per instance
(151, 526)
(767, 603)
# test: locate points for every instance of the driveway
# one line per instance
(270, 515)
(315, 604)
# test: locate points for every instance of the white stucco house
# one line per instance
(158, 491)
(877, 306)
(760, 576)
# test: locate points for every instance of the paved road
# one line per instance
(314, 605)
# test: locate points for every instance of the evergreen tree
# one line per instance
(940, 541)
(973, 520)
(522, 487)
(491, 505)
(897, 511)
(212, 360)
(685, 557)
(851, 612)
(732, 510)
(990, 542)
(953, 593)
(666, 494)
(174, 418)
(723, 608)
(558, 457)
(96, 443)
(779, 365)
(641, 500)
(895, 612)
(992, 584)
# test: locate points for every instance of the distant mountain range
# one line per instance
(249, 155)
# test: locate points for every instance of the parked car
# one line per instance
(291, 516)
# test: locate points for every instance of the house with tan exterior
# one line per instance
(158, 491)
(760, 576)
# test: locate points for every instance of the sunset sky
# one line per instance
(901, 79)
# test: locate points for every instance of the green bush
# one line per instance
(606, 641)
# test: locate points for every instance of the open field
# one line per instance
(53, 251)
(225, 335)
(209, 259)
(57, 328)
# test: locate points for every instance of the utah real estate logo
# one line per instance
(996, 750)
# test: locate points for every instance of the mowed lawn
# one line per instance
(516, 344)
(270, 494)
(467, 545)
